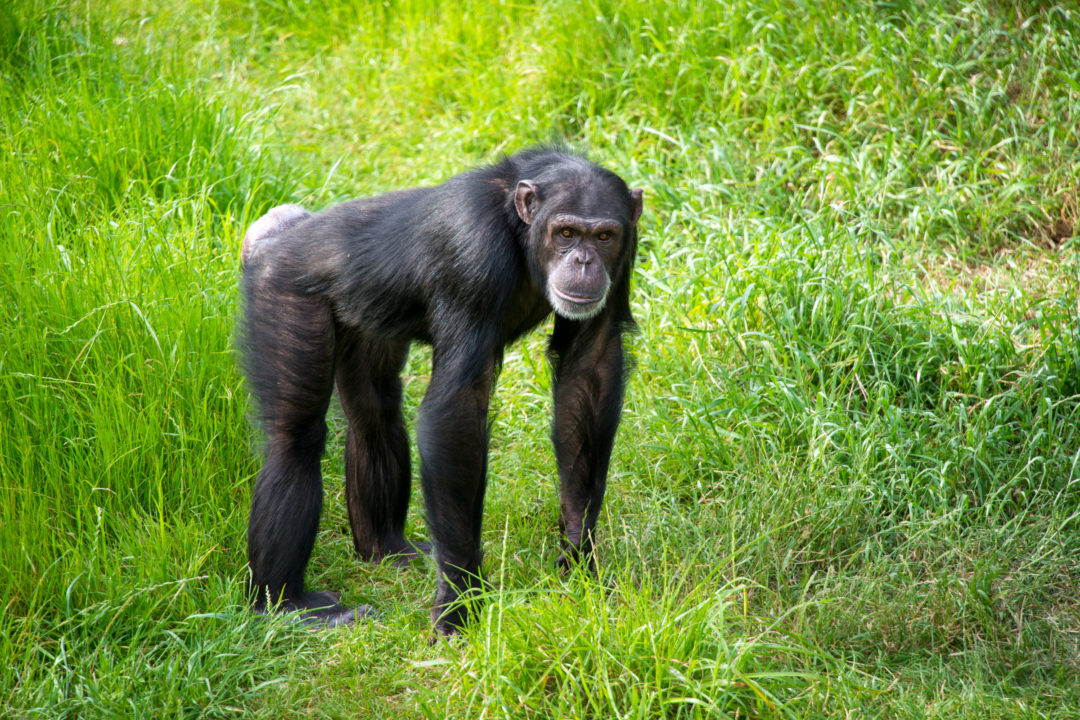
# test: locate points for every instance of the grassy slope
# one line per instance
(848, 479)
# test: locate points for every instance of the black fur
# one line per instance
(336, 298)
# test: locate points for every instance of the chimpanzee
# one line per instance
(335, 298)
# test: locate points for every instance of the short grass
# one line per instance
(847, 482)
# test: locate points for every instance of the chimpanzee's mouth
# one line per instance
(577, 299)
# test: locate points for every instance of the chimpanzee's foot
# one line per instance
(321, 609)
(404, 556)
(573, 557)
(398, 552)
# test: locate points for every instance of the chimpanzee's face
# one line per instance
(579, 252)
(584, 232)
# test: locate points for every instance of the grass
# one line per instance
(847, 483)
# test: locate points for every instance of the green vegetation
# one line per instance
(848, 478)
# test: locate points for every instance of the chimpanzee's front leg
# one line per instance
(588, 361)
(452, 435)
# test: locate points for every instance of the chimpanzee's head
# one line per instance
(582, 222)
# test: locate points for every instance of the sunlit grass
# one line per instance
(847, 482)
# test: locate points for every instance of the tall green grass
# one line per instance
(848, 478)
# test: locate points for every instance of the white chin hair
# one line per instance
(572, 310)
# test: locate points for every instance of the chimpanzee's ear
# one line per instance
(635, 197)
(526, 200)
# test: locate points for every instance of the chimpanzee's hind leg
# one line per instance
(377, 472)
(289, 359)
